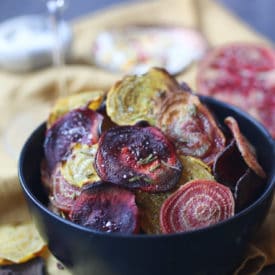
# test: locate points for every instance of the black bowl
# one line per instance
(218, 249)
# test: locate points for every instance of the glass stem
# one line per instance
(55, 10)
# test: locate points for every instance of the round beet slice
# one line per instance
(246, 149)
(63, 193)
(138, 157)
(107, 208)
(78, 126)
(191, 126)
(242, 74)
(197, 204)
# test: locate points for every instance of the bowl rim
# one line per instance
(205, 100)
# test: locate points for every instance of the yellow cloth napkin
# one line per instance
(29, 96)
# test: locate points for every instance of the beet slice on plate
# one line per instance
(242, 74)
(138, 157)
(78, 126)
(247, 151)
(190, 125)
(105, 207)
(197, 204)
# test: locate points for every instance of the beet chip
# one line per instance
(107, 208)
(229, 166)
(197, 204)
(63, 193)
(138, 157)
(77, 126)
(191, 126)
(247, 151)
(247, 189)
(231, 170)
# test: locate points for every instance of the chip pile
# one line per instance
(153, 160)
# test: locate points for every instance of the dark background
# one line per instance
(260, 14)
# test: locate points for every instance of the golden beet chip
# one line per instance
(150, 203)
(19, 243)
(194, 168)
(78, 169)
(136, 98)
(63, 105)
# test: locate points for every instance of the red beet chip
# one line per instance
(191, 126)
(229, 166)
(105, 207)
(138, 157)
(247, 151)
(63, 193)
(242, 74)
(79, 125)
(247, 189)
(196, 204)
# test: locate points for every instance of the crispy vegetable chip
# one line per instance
(138, 157)
(19, 243)
(231, 170)
(194, 168)
(78, 126)
(106, 207)
(91, 100)
(247, 150)
(150, 203)
(64, 194)
(78, 168)
(190, 125)
(197, 204)
(247, 189)
(136, 98)
(229, 166)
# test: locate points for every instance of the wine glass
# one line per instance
(55, 10)
(24, 119)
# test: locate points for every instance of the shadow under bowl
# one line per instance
(217, 249)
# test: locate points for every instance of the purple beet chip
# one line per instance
(107, 208)
(138, 158)
(78, 126)
(247, 189)
(229, 166)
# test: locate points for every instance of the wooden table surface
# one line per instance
(257, 13)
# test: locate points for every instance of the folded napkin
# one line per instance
(31, 95)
